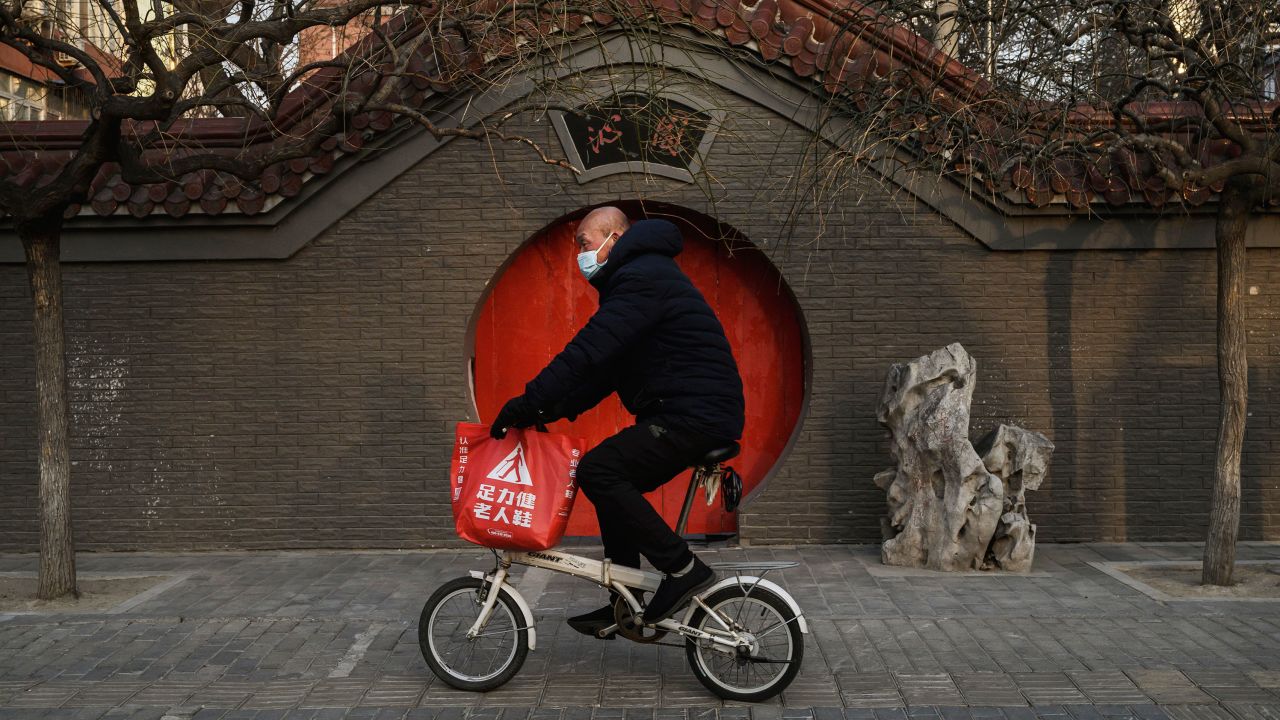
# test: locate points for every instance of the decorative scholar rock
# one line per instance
(951, 506)
(1021, 459)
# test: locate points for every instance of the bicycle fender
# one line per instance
(520, 603)
(748, 581)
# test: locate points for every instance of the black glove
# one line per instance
(517, 413)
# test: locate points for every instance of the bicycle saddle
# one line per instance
(719, 455)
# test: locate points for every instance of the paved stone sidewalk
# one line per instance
(333, 635)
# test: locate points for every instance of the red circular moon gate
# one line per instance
(541, 300)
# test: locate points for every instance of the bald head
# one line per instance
(600, 229)
(605, 220)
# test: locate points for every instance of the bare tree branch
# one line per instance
(479, 134)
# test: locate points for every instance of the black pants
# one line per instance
(615, 474)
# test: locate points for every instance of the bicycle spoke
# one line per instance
(500, 632)
(468, 652)
(771, 628)
(489, 669)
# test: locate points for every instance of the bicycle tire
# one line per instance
(767, 615)
(443, 626)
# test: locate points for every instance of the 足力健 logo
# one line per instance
(512, 469)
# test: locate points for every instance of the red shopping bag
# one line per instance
(515, 493)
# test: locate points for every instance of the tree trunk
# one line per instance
(1234, 206)
(41, 240)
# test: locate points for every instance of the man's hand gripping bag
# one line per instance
(515, 493)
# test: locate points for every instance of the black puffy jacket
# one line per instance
(654, 340)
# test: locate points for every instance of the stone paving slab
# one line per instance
(334, 635)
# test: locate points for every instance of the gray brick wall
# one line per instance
(309, 402)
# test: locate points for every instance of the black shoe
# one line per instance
(676, 592)
(593, 622)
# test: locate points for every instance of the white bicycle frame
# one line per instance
(624, 580)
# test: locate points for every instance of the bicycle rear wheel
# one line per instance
(770, 659)
(485, 661)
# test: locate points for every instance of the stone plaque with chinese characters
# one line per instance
(637, 128)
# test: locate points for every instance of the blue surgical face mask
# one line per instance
(587, 261)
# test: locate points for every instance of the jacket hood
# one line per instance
(644, 237)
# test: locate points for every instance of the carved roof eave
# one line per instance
(299, 180)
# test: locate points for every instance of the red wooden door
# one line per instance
(541, 300)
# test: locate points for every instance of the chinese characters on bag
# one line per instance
(462, 468)
(570, 489)
(520, 504)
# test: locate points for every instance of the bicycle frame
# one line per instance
(601, 573)
(624, 580)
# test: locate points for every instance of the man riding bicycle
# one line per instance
(657, 343)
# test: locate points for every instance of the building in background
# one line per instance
(318, 44)
(31, 92)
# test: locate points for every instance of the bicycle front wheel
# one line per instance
(480, 663)
(768, 660)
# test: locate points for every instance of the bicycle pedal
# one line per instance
(608, 633)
